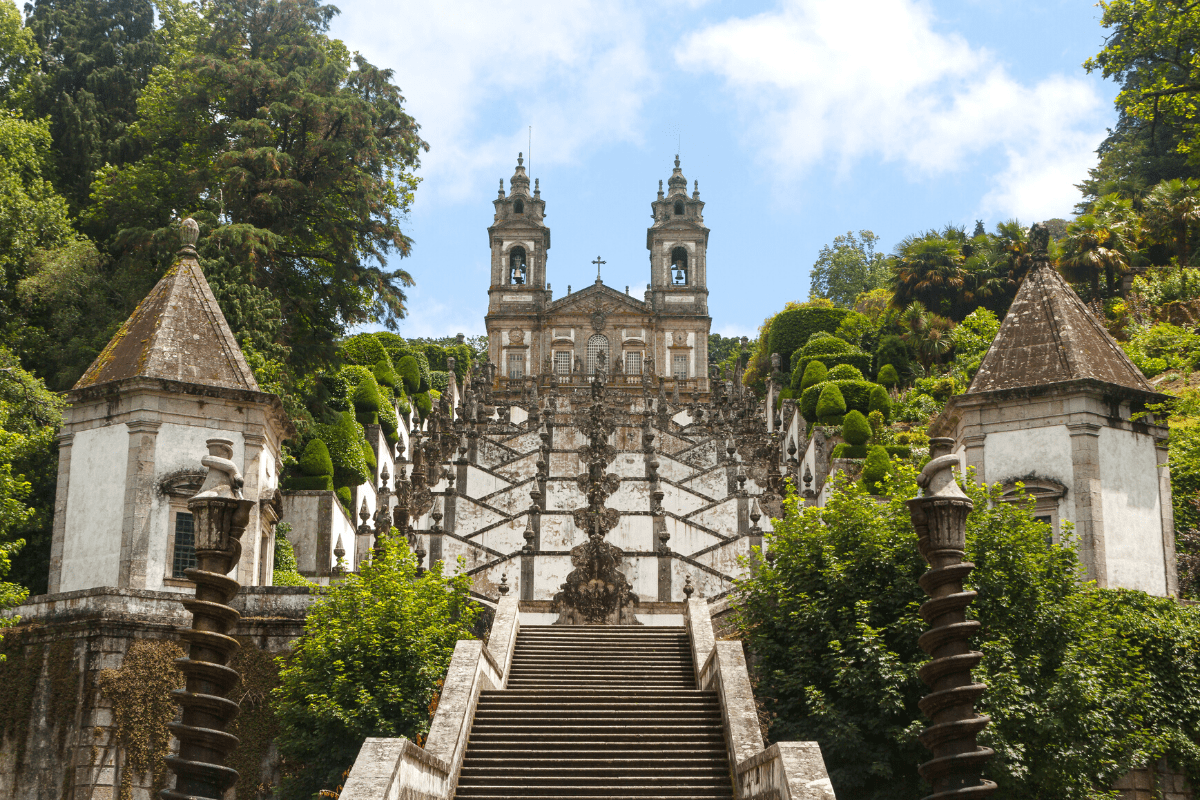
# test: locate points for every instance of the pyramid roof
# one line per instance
(176, 333)
(1049, 336)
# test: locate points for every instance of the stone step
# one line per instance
(604, 789)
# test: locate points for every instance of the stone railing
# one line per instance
(783, 771)
(397, 769)
(516, 387)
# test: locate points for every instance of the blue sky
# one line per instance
(801, 119)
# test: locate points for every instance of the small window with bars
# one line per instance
(679, 367)
(633, 363)
(516, 365)
(562, 362)
(184, 555)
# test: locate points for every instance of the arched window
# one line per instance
(516, 266)
(596, 345)
(679, 209)
(518, 207)
(679, 267)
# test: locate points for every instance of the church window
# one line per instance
(184, 555)
(518, 207)
(633, 363)
(596, 345)
(679, 267)
(562, 362)
(516, 266)
(679, 209)
(516, 365)
(679, 367)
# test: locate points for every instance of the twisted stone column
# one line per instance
(940, 518)
(220, 516)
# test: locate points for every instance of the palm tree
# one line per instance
(927, 333)
(1172, 209)
(927, 268)
(1100, 244)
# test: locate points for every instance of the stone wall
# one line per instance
(84, 690)
(1157, 782)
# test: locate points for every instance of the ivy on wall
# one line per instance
(256, 725)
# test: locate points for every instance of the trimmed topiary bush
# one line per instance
(353, 375)
(857, 395)
(845, 372)
(385, 374)
(814, 373)
(315, 459)
(346, 498)
(363, 349)
(855, 428)
(344, 439)
(367, 401)
(875, 469)
(879, 401)
(888, 376)
(895, 351)
(423, 368)
(830, 403)
(389, 421)
(831, 352)
(368, 452)
(791, 329)
(410, 373)
(310, 483)
(850, 451)
(423, 403)
(898, 450)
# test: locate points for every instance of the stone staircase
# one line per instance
(598, 712)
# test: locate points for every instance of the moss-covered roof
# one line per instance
(178, 333)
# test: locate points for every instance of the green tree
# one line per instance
(371, 661)
(296, 157)
(1172, 211)
(1101, 245)
(1083, 683)
(847, 268)
(928, 268)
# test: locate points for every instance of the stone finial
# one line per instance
(363, 514)
(520, 159)
(223, 479)
(504, 585)
(696, 190)
(528, 535)
(937, 478)
(677, 161)
(189, 233)
(688, 589)
(1039, 239)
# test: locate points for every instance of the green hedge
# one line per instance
(855, 428)
(367, 401)
(845, 372)
(353, 375)
(345, 439)
(389, 421)
(831, 352)
(880, 401)
(310, 483)
(850, 451)
(875, 469)
(439, 380)
(410, 373)
(385, 374)
(857, 395)
(814, 372)
(791, 330)
(830, 402)
(315, 460)
(423, 403)
(345, 496)
(363, 349)
(888, 376)
(895, 351)
(368, 451)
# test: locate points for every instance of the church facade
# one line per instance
(663, 335)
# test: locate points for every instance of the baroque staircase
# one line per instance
(598, 712)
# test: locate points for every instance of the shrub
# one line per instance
(878, 423)
(367, 401)
(831, 352)
(385, 374)
(814, 373)
(791, 329)
(856, 394)
(374, 650)
(310, 483)
(895, 351)
(845, 372)
(403, 404)
(353, 375)
(368, 451)
(423, 367)
(410, 373)
(875, 470)
(315, 459)
(388, 421)
(364, 349)
(344, 439)
(285, 571)
(879, 402)
(888, 376)
(439, 380)
(898, 451)
(855, 428)
(850, 451)
(424, 404)
(830, 402)
(1155, 349)
(346, 498)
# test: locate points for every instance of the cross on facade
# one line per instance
(598, 262)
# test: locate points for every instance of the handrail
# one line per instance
(398, 769)
(785, 770)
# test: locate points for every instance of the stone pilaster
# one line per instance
(250, 567)
(973, 445)
(139, 497)
(59, 533)
(1089, 506)
(1168, 519)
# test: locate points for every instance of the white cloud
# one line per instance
(841, 82)
(476, 73)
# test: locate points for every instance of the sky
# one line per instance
(801, 120)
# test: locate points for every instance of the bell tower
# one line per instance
(678, 242)
(519, 239)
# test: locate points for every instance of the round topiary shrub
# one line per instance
(791, 329)
(857, 395)
(367, 401)
(845, 372)
(875, 470)
(880, 402)
(385, 373)
(315, 459)
(831, 352)
(410, 374)
(814, 373)
(888, 376)
(831, 406)
(423, 403)
(309, 483)
(855, 428)
(343, 438)
(388, 420)
(364, 349)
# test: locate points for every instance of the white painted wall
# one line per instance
(95, 507)
(1040, 452)
(1133, 544)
